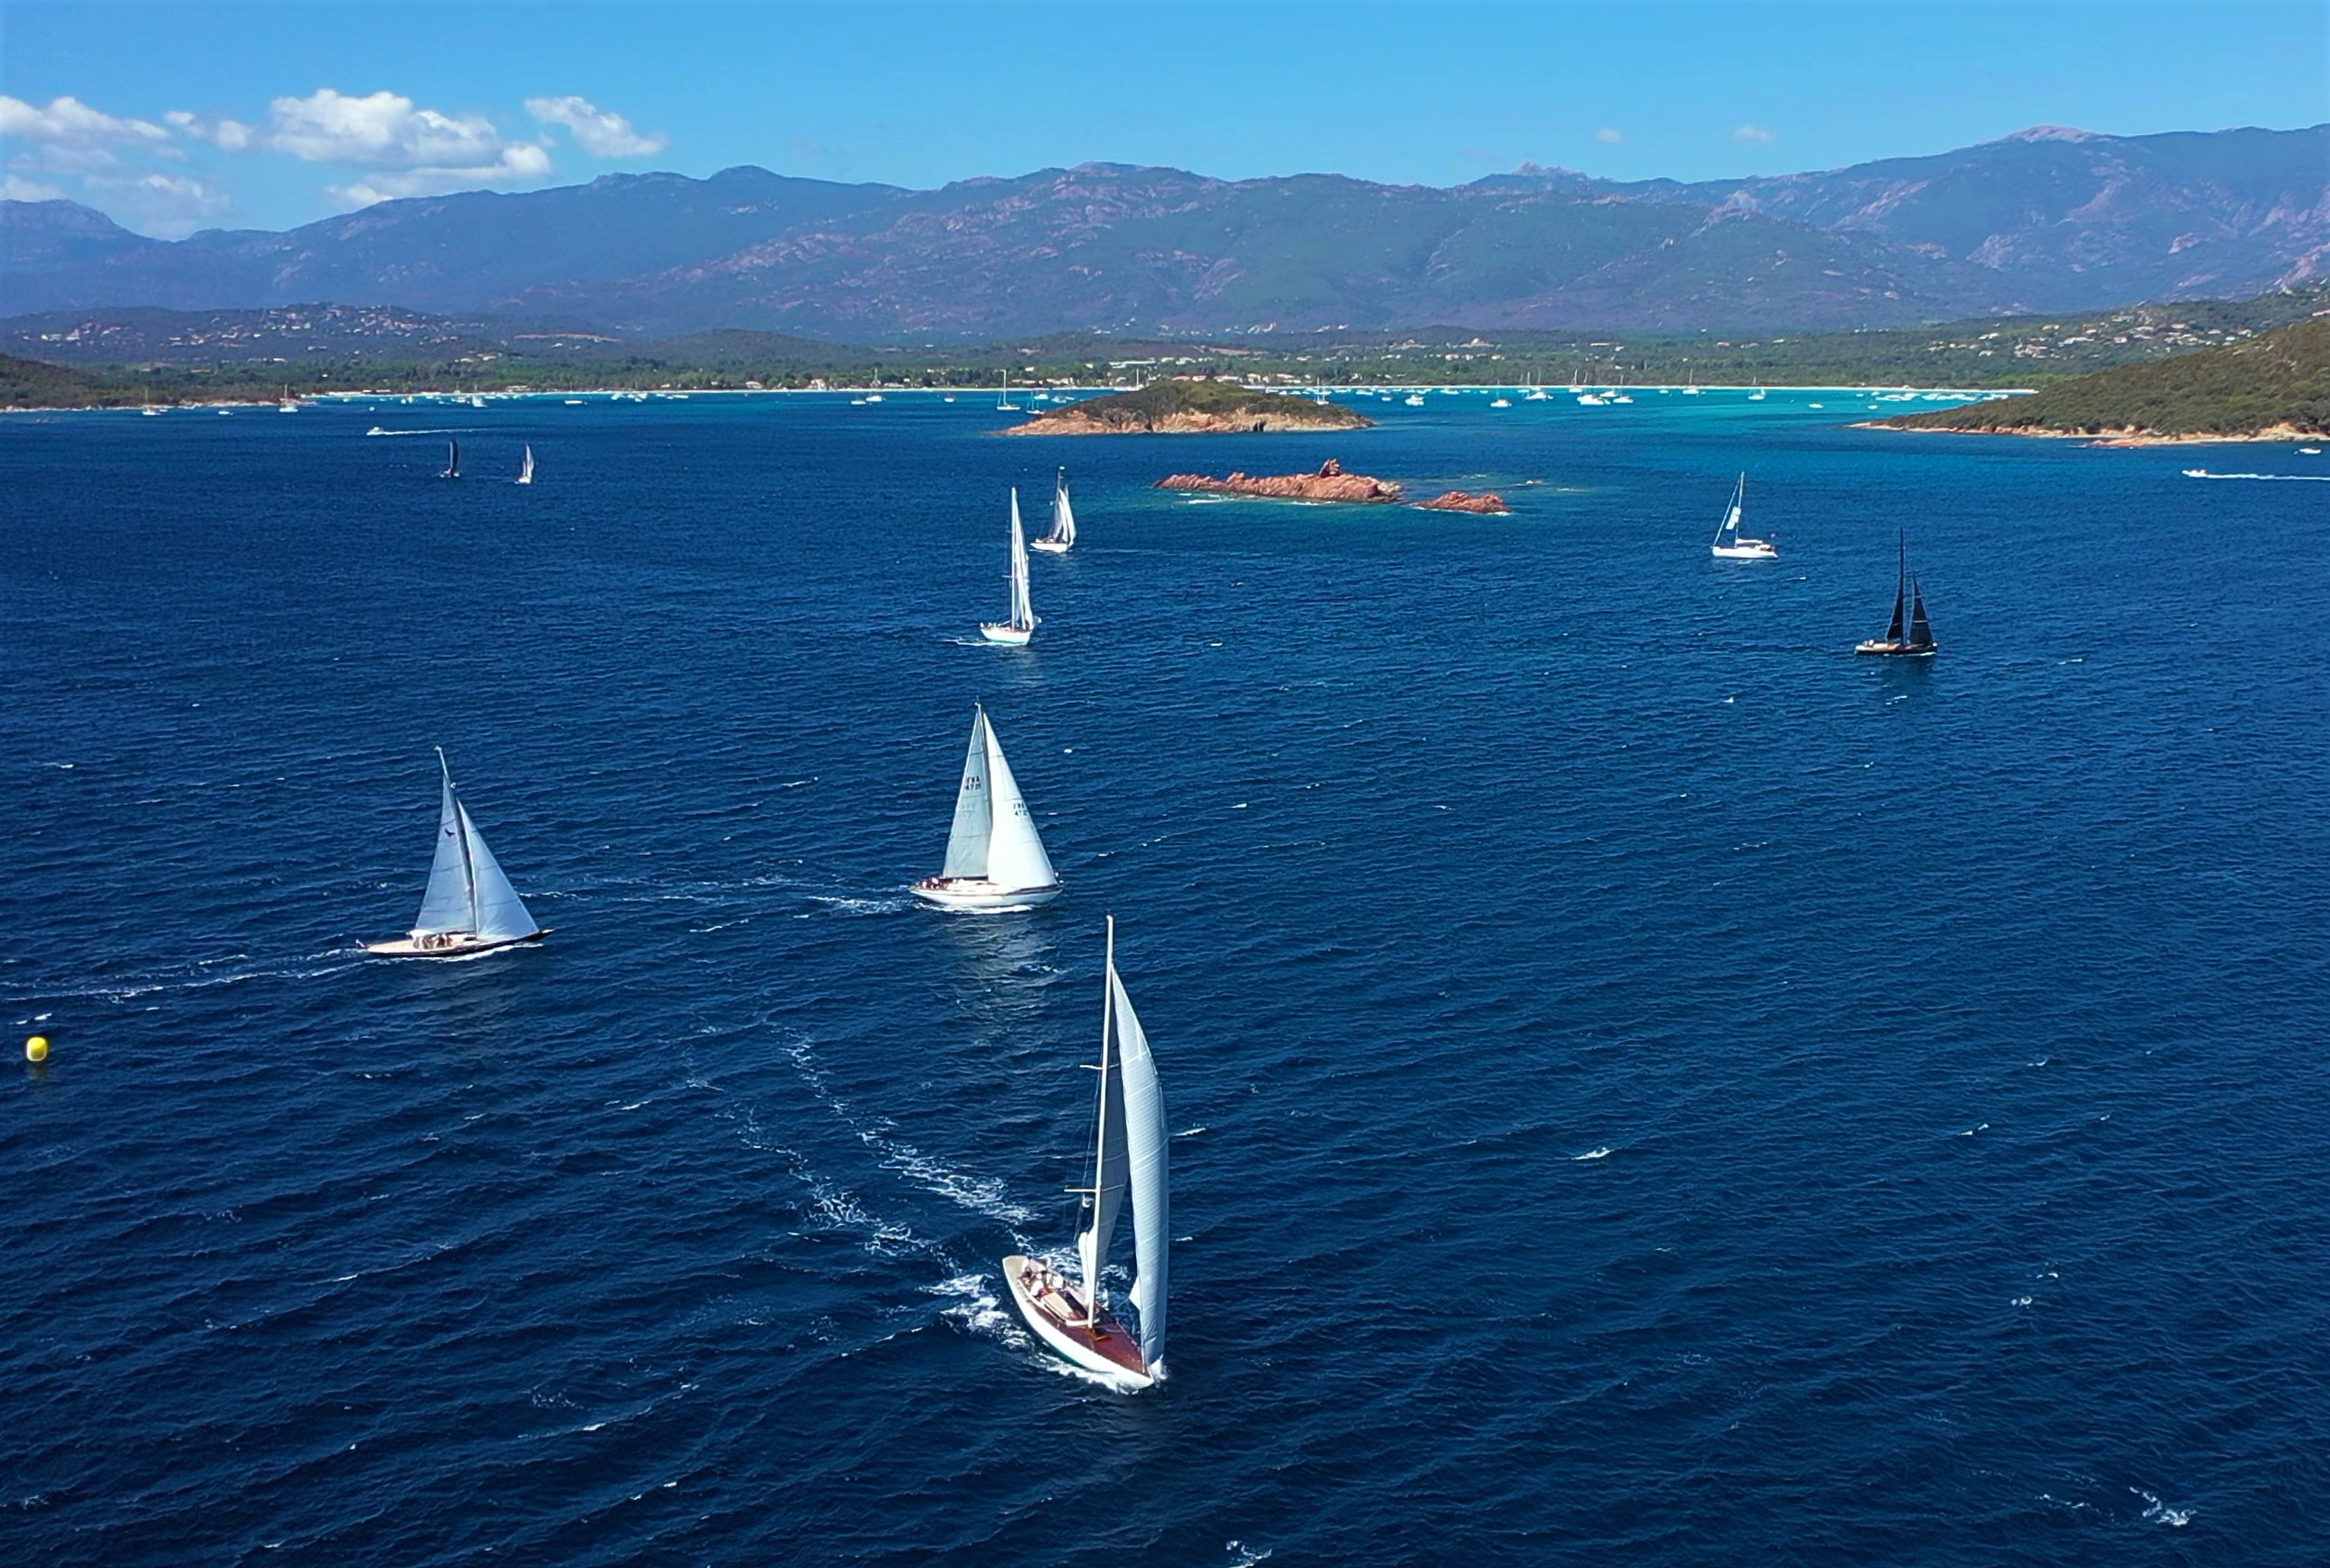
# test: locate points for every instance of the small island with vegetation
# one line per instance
(2273, 387)
(1187, 407)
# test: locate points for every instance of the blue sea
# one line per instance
(1647, 1085)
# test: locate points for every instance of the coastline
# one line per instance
(2125, 439)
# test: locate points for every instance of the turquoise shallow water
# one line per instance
(1647, 1082)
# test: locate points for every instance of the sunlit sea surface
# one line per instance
(1648, 1086)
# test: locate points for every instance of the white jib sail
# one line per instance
(525, 468)
(1063, 516)
(501, 915)
(1146, 1171)
(1727, 532)
(1015, 851)
(1023, 612)
(974, 809)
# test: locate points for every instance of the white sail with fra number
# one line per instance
(1015, 851)
(974, 810)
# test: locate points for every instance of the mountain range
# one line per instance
(2047, 220)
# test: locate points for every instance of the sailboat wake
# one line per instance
(2288, 478)
(982, 1195)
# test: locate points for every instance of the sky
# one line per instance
(202, 114)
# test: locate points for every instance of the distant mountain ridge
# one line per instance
(2049, 219)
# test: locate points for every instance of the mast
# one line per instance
(1900, 593)
(1091, 1256)
(461, 828)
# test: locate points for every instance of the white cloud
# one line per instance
(68, 123)
(1610, 135)
(166, 206)
(519, 163)
(603, 133)
(384, 130)
(1756, 133)
(13, 189)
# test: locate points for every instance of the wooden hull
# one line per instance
(407, 946)
(1055, 1315)
(979, 896)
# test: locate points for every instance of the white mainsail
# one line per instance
(525, 468)
(1130, 1163)
(974, 809)
(1727, 532)
(1023, 610)
(1063, 515)
(468, 893)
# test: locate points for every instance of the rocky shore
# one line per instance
(1191, 408)
(1330, 483)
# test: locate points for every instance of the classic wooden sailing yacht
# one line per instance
(1016, 631)
(1917, 641)
(1728, 546)
(1063, 521)
(1129, 1165)
(995, 859)
(469, 907)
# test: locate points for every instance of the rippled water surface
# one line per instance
(1648, 1086)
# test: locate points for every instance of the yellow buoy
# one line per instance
(36, 1049)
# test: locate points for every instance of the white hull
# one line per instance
(977, 895)
(1009, 636)
(1048, 546)
(1071, 1339)
(457, 945)
(1747, 550)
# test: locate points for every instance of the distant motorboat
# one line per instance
(1729, 545)
(2311, 451)
(1590, 400)
(873, 397)
(1502, 403)
(525, 468)
(1415, 399)
(1537, 394)
(1130, 1166)
(470, 907)
(1063, 536)
(1914, 641)
(453, 460)
(1016, 631)
(995, 858)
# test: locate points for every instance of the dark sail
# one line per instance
(1893, 632)
(1921, 635)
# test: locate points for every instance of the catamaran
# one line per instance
(1918, 641)
(1022, 623)
(1129, 1165)
(995, 859)
(453, 460)
(470, 907)
(1063, 521)
(1729, 544)
(525, 468)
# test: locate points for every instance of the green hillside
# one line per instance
(29, 384)
(2280, 381)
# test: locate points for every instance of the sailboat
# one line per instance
(1063, 521)
(453, 460)
(1022, 623)
(995, 858)
(1129, 1165)
(525, 468)
(469, 907)
(1729, 544)
(1917, 641)
(1003, 403)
